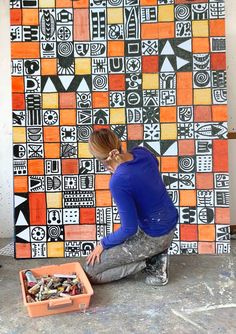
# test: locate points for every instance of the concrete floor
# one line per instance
(199, 298)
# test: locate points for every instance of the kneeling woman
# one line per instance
(147, 213)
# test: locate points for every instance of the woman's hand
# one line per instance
(95, 255)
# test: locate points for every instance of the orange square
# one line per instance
(219, 113)
(18, 101)
(116, 48)
(67, 117)
(188, 232)
(187, 197)
(15, 16)
(222, 216)
(206, 232)
(100, 126)
(150, 64)
(87, 216)
(103, 198)
(70, 166)
(23, 250)
(67, 100)
(204, 181)
(116, 227)
(220, 155)
(148, 2)
(135, 131)
(186, 147)
(205, 247)
(36, 167)
(18, 84)
(202, 113)
(149, 31)
(20, 184)
(80, 232)
(116, 82)
(48, 66)
(100, 99)
(102, 181)
(167, 114)
(166, 30)
(25, 50)
(51, 150)
(64, 3)
(217, 27)
(218, 61)
(51, 134)
(37, 208)
(169, 164)
(79, 4)
(30, 17)
(201, 45)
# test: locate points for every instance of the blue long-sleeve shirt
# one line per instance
(141, 198)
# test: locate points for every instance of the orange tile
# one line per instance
(116, 227)
(222, 216)
(67, 117)
(18, 101)
(100, 99)
(206, 232)
(149, 31)
(49, 66)
(36, 167)
(169, 164)
(188, 232)
(37, 208)
(217, 27)
(80, 232)
(116, 48)
(15, 16)
(103, 198)
(20, 184)
(51, 150)
(148, 2)
(205, 247)
(116, 82)
(186, 147)
(18, 84)
(188, 198)
(150, 64)
(220, 155)
(25, 50)
(81, 25)
(167, 114)
(166, 30)
(51, 134)
(67, 100)
(22, 250)
(102, 181)
(218, 61)
(80, 4)
(30, 17)
(64, 3)
(201, 45)
(135, 131)
(202, 113)
(70, 166)
(219, 113)
(204, 181)
(87, 216)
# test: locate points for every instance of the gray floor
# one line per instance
(199, 298)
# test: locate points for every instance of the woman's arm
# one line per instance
(121, 192)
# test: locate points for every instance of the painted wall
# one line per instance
(6, 175)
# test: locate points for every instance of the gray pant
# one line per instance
(127, 258)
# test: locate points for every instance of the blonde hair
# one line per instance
(104, 140)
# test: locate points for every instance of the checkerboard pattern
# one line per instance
(153, 71)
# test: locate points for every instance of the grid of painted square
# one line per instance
(154, 72)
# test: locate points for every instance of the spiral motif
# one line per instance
(100, 81)
(65, 49)
(182, 12)
(201, 78)
(84, 132)
(186, 164)
(114, 2)
(54, 232)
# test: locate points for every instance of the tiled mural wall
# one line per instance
(151, 70)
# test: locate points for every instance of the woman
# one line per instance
(147, 213)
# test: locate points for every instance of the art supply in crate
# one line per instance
(51, 286)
